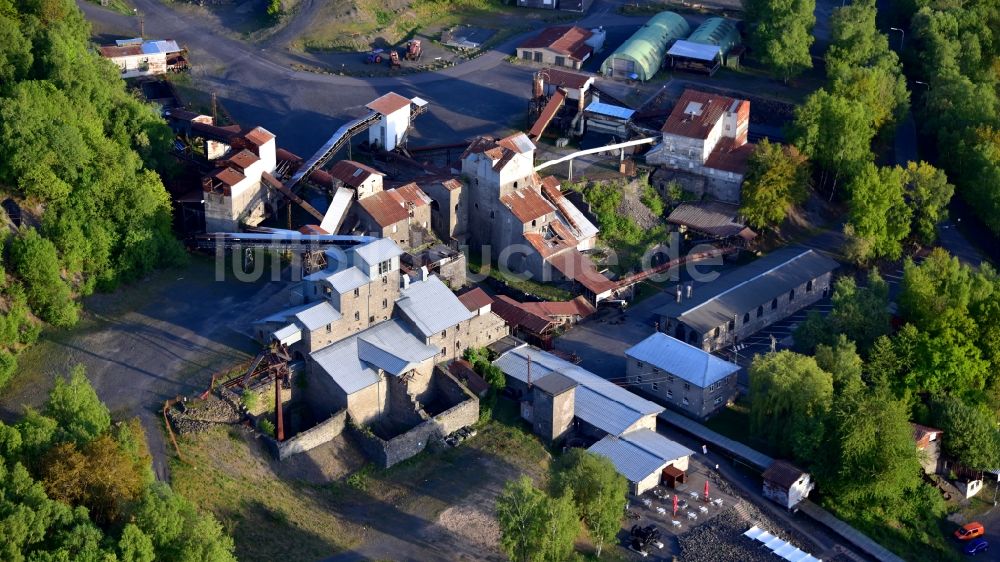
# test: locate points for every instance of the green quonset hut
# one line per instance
(642, 53)
(719, 32)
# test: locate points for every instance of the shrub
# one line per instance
(267, 426)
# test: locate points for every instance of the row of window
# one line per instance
(760, 310)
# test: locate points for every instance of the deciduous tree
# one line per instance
(879, 218)
(780, 31)
(598, 491)
(928, 194)
(777, 179)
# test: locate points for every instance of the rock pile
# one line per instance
(192, 416)
(722, 538)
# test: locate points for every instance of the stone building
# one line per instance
(449, 212)
(402, 215)
(136, 57)
(706, 135)
(786, 484)
(238, 192)
(564, 45)
(750, 298)
(686, 377)
(364, 180)
(564, 401)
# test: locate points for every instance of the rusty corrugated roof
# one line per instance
(259, 135)
(352, 173)
(475, 299)
(229, 176)
(729, 156)
(392, 205)
(112, 51)
(512, 313)
(527, 205)
(389, 103)
(566, 40)
(697, 112)
(244, 159)
(565, 78)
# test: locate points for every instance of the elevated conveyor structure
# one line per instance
(551, 108)
(275, 184)
(281, 240)
(340, 137)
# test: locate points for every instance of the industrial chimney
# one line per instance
(539, 85)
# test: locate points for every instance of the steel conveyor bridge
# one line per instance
(289, 240)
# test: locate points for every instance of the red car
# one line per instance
(970, 531)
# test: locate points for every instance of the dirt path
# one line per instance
(141, 345)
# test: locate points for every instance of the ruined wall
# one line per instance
(387, 453)
(313, 437)
(453, 272)
(402, 406)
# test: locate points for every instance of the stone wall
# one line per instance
(453, 272)
(386, 453)
(313, 437)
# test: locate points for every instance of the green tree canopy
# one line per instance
(835, 132)
(79, 413)
(790, 397)
(598, 491)
(533, 526)
(880, 218)
(780, 31)
(928, 194)
(777, 179)
(971, 430)
(861, 313)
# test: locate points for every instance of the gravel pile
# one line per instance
(473, 524)
(198, 415)
(722, 538)
(631, 206)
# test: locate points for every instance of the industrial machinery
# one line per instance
(374, 56)
(641, 538)
(413, 49)
(393, 59)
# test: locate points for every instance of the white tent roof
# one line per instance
(692, 50)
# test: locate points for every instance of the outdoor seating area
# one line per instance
(676, 510)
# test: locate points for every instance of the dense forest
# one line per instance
(76, 486)
(80, 158)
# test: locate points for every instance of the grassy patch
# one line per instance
(733, 422)
(120, 6)
(268, 515)
(527, 286)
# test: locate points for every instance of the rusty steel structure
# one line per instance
(271, 364)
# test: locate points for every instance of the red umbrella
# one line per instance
(675, 505)
(706, 490)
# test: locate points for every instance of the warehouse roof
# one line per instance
(475, 299)
(692, 50)
(353, 363)
(527, 204)
(352, 173)
(431, 306)
(600, 403)
(714, 218)
(682, 360)
(393, 205)
(637, 454)
(565, 78)
(389, 103)
(743, 289)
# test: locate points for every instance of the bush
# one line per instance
(8, 364)
(249, 400)
(267, 426)
(37, 263)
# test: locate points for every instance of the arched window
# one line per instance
(791, 295)
(746, 318)
(760, 311)
(809, 286)
(774, 304)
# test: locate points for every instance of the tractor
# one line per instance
(393, 59)
(374, 57)
(413, 50)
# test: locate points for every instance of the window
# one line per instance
(774, 304)
(384, 267)
(385, 280)
(385, 303)
(656, 385)
(639, 364)
(638, 379)
(670, 394)
(371, 319)
(526, 55)
(791, 295)
(534, 222)
(444, 333)
(809, 286)
(357, 292)
(732, 325)
(760, 311)
(515, 185)
(746, 318)
(357, 316)
(670, 379)
(458, 345)
(718, 400)
(329, 328)
(444, 351)
(560, 61)
(686, 401)
(687, 386)
(492, 214)
(538, 56)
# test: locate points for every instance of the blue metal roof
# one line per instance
(431, 306)
(682, 360)
(610, 110)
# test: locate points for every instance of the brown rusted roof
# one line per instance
(389, 103)
(244, 159)
(515, 316)
(112, 51)
(452, 184)
(527, 205)
(286, 155)
(551, 186)
(730, 157)
(352, 173)
(475, 299)
(565, 78)
(320, 177)
(782, 473)
(501, 151)
(579, 306)
(392, 205)
(696, 113)
(553, 239)
(563, 39)
(578, 267)
(229, 176)
(312, 229)
(551, 108)
(258, 136)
